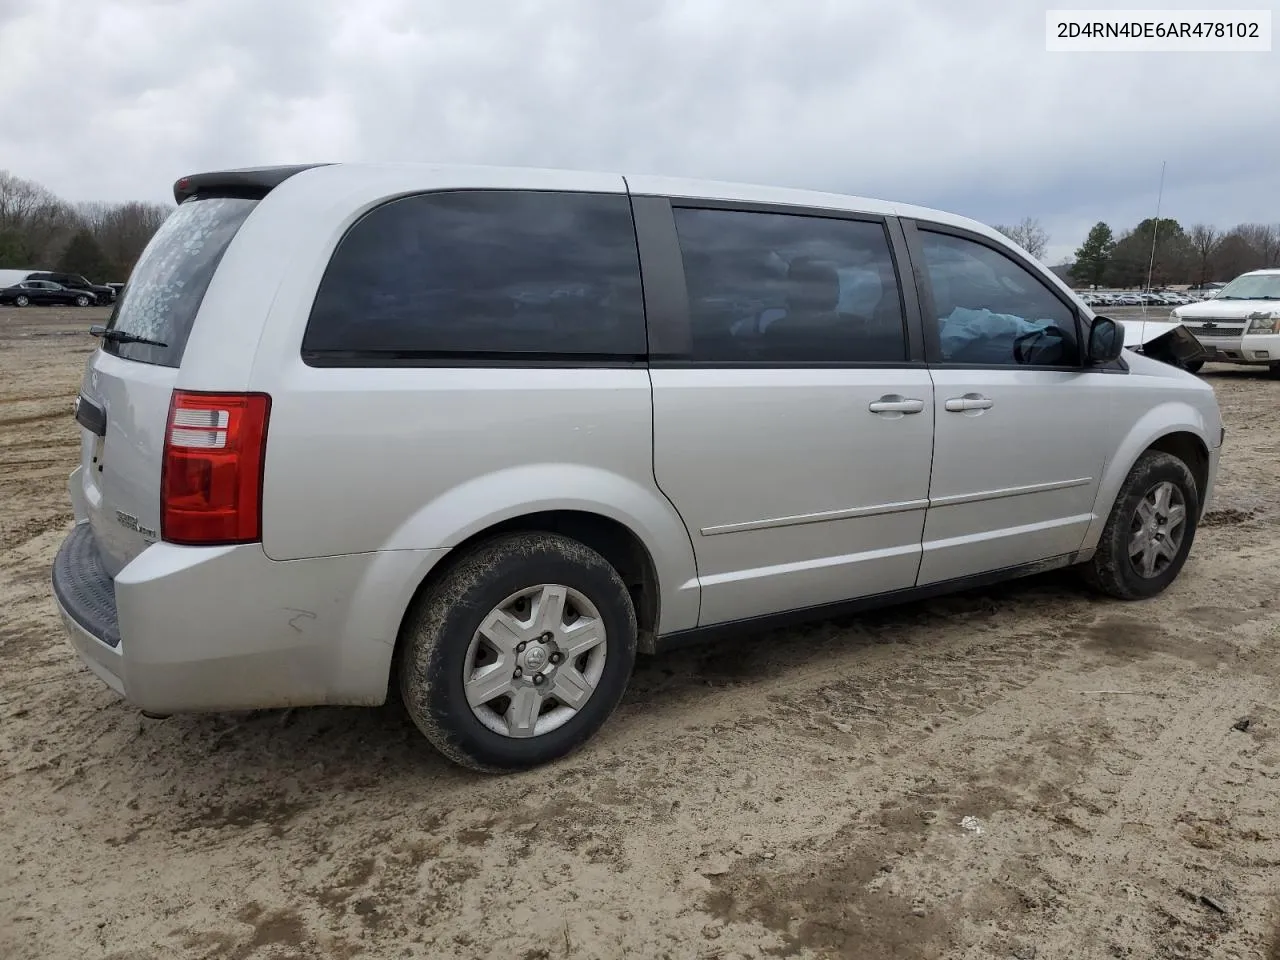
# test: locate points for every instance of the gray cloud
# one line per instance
(948, 104)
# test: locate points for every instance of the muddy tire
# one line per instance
(1149, 532)
(519, 653)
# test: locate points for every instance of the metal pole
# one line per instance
(1155, 227)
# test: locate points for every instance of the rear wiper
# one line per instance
(120, 336)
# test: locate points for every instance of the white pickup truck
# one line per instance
(1241, 324)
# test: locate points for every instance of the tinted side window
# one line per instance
(991, 310)
(783, 288)
(484, 272)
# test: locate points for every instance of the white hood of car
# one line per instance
(1137, 331)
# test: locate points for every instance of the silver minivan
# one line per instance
(490, 433)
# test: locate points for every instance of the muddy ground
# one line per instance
(804, 793)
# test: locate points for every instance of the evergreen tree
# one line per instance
(1094, 254)
(85, 257)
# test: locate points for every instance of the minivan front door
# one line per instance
(1021, 434)
(791, 431)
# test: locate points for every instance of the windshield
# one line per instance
(165, 290)
(1260, 286)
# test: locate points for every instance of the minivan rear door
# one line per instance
(792, 411)
(128, 383)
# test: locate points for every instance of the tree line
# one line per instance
(1199, 254)
(1182, 255)
(102, 241)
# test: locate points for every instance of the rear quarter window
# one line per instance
(168, 284)
(480, 275)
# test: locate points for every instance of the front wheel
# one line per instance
(1273, 371)
(21, 301)
(518, 654)
(1150, 530)
(1193, 366)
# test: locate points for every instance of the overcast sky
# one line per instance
(949, 103)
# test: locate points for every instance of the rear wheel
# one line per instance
(1150, 530)
(519, 654)
(82, 301)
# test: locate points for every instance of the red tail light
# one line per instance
(211, 480)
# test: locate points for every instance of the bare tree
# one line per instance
(34, 224)
(1029, 235)
(122, 230)
(1235, 255)
(1204, 242)
(1265, 241)
(20, 200)
(36, 228)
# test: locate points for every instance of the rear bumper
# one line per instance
(185, 629)
(98, 644)
(1259, 348)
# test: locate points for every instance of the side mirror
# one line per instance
(1106, 341)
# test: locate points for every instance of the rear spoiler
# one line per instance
(253, 182)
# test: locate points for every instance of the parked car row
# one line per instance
(1166, 298)
(44, 293)
(78, 285)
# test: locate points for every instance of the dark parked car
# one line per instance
(101, 292)
(44, 292)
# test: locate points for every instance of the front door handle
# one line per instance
(970, 401)
(894, 404)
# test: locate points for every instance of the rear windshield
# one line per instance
(165, 289)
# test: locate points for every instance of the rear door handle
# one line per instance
(970, 401)
(893, 403)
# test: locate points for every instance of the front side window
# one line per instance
(516, 274)
(990, 310)
(784, 288)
